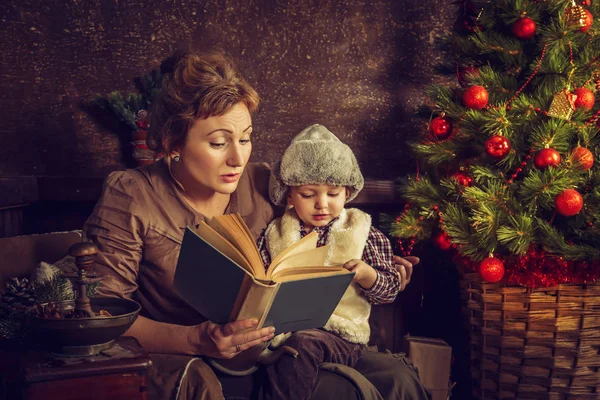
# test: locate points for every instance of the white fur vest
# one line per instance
(347, 239)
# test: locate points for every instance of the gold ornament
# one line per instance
(575, 16)
(563, 105)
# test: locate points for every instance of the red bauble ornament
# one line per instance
(524, 28)
(497, 147)
(585, 98)
(546, 158)
(463, 179)
(583, 158)
(568, 202)
(441, 127)
(586, 2)
(442, 240)
(467, 71)
(491, 269)
(475, 97)
(589, 20)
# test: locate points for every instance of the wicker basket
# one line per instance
(533, 343)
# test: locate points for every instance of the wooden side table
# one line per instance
(117, 373)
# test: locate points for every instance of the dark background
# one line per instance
(357, 67)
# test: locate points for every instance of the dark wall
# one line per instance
(357, 67)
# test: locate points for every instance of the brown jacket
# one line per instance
(138, 226)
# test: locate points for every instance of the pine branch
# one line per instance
(485, 175)
(485, 220)
(458, 227)
(551, 133)
(57, 288)
(92, 288)
(554, 242)
(540, 188)
(518, 234)
(421, 193)
(409, 227)
(435, 152)
(500, 86)
(149, 86)
(510, 51)
(444, 100)
(125, 109)
(494, 193)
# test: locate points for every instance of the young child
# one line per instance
(316, 176)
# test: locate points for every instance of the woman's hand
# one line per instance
(365, 274)
(227, 341)
(405, 269)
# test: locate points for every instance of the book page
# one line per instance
(308, 242)
(255, 301)
(293, 274)
(224, 246)
(310, 257)
(240, 220)
(238, 234)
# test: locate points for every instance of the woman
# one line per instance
(202, 126)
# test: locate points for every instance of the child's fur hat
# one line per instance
(315, 157)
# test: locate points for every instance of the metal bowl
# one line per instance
(84, 336)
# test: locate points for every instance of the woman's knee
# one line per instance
(330, 385)
(406, 379)
(393, 375)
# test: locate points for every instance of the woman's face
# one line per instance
(215, 152)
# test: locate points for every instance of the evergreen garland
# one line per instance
(132, 108)
(20, 295)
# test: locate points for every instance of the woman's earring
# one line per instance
(176, 159)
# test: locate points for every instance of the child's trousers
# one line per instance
(294, 378)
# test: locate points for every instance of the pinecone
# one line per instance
(18, 296)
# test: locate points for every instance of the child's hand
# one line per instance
(365, 274)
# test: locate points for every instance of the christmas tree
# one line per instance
(507, 178)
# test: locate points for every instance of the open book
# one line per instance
(221, 274)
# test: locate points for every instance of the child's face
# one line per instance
(317, 205)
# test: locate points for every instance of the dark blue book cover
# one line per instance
(211, 282)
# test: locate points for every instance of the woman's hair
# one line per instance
(195, 86)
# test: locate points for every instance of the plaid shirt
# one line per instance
(378, 254)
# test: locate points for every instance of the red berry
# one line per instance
(463, 179)
(467, 72)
